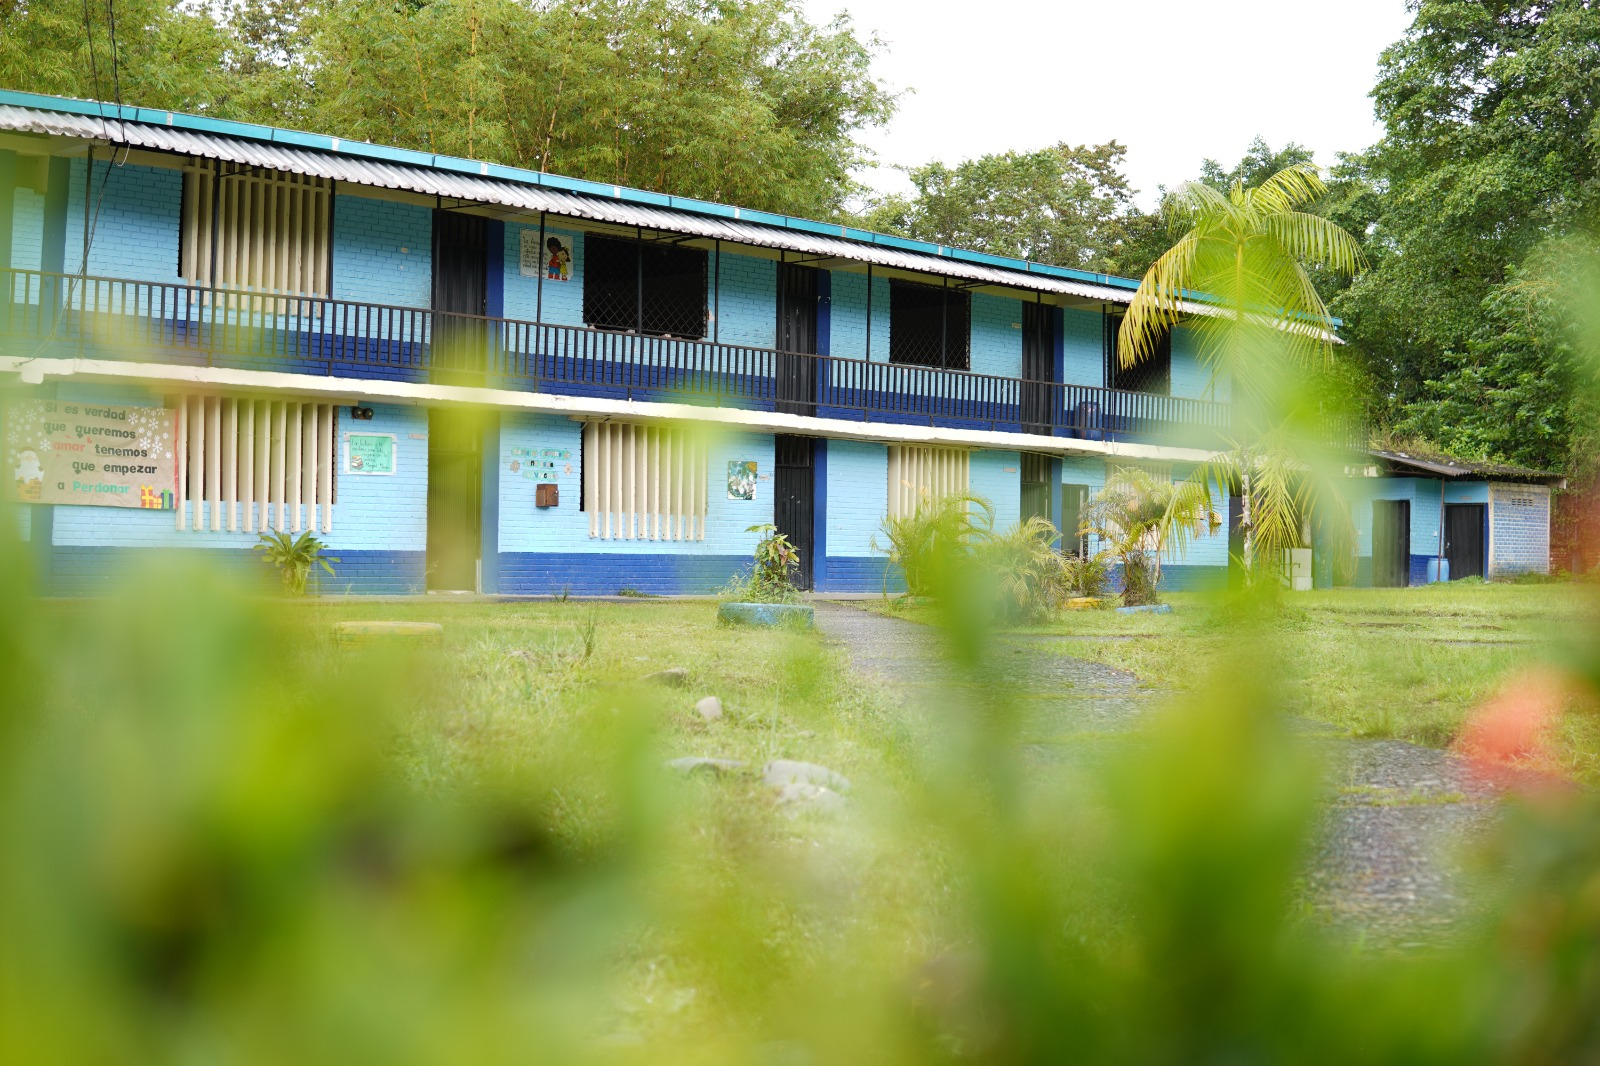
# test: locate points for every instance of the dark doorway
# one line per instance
(1038, 368)
(797, 340)
(460, 288)
(1391, 543)
(1463, 539)
(1035, 487)
(1073, 499)
(455, 499)
(794, 497)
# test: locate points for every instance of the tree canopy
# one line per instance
(1485, 175)
(741, 100)
(1064, 205)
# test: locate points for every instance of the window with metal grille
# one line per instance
(255, 465)
(643, 482)
(645, 287)
(930, 325)
(259, 230)
(918, 474)
(1153, 374)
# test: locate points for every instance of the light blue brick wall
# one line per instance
(563, 300)
(134, 230)
(564, 528)
(1466, 492)
(996, 335)
(847, 335)
(1208, 548)
(748, 301)
(382, 252)
(997, 477)
(1422, 493)
(1083, 346)
(858, 496)
(27, 230)
(1519, 530)
(371, 513)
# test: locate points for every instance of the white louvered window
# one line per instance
(266, 231)
(644, 482)
(918, 473)
(255, 466)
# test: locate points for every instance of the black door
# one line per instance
(1038, 368)
(1035, 476)
(1463, 539)
(794, 497)
(455, 492)
(1073, 499)
(1391, 543)
(797, 339)
(460, 297)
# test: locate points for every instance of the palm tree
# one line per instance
(1238, 278)
(1140, 517)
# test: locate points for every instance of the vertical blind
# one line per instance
(644, 482)
(255, 466)
(920, 472)
(267, 231)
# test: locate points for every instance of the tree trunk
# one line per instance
(1247, 529)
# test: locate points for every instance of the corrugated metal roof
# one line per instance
(1466, 469)
(432, 181)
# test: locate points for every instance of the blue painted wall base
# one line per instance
(93, 571)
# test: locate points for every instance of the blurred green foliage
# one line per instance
(227, 840)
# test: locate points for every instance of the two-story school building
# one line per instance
(466, 376)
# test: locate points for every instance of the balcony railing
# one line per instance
(110, 318)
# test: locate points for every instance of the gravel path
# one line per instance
(1384, 867)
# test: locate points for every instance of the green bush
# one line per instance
(940, 532)
(295, 558)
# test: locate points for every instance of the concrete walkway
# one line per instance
(1385, 865)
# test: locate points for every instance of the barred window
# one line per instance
(643, 482)
(918, 473)
(266, 231)
(1153, 375)
(255, 465)
(659, 289)
(930, 325)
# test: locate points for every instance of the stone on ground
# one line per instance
(710, 708)
(673, 677)
(802, 795)
(783, 772)
(694, 764)
(368, 634)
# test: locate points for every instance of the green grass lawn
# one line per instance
(1405, 663)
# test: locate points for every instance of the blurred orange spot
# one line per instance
(1512, 728)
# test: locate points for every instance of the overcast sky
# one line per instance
(1174, 81)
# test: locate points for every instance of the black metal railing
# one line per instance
(111, 318)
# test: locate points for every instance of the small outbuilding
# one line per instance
(1421, 519)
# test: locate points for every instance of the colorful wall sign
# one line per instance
(90, 453)
(369, 453)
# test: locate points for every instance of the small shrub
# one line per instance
(1086, 575)
(770, 576)
(938, 531)
(295, 558)
(1025, 571)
